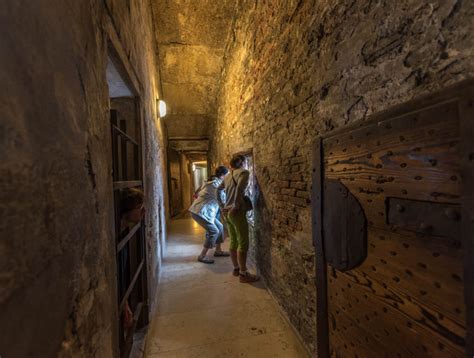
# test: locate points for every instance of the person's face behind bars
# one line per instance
(135, 215)
(135, 205)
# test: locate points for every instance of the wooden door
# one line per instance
(411, 171)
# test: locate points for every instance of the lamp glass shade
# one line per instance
(162, 108)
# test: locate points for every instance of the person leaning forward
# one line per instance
(235, 183)
(204, 211)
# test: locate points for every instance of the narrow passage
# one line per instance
(204, 311)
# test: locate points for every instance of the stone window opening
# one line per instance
(251, 191)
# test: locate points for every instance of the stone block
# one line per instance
(290, 192)
(298, 185)
(303, 194)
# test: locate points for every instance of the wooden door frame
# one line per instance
(117, 54)
(464, 92)
(466, 113)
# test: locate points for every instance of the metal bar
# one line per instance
(123, 151)
(139, 130)
(138, 311)
(113, 120)
(124, 135)
(133, 262)
(116, 196)
(119, 157)
(127, 184)
(145, 315)
(136, 162)
(127, 238)
(130, 287)
(322, 321)
(466, 113)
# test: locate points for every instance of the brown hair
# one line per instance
(131, 199)
(221, 170)
(237, 161)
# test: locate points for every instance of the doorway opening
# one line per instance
(187, 172)
(130, 244)
(200, 174)
(175, 183)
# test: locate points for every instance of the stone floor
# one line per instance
(204, 311)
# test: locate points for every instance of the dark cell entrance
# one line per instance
(129, 237)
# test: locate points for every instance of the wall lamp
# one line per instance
(161, 108)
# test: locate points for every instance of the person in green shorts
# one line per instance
(234, 210)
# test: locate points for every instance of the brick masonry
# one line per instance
(297, 69)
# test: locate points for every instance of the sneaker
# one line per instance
(205, 260)
(248, 278)
(221, 254)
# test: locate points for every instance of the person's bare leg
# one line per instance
(204, 251)
(233, 256)
(242, 259)
(245, 277)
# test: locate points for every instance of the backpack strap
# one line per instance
(232, 173)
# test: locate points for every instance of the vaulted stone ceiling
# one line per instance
(191, 36)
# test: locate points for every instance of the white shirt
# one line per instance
(206, 204)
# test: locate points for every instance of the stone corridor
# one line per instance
(203, 311)
(355, 121)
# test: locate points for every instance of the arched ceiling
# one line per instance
(191, 37)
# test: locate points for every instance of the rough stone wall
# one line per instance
(297, 69)
(57, 267)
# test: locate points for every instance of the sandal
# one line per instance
(221, 254)
(236, 272)
(205, 260)
(248, 278)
